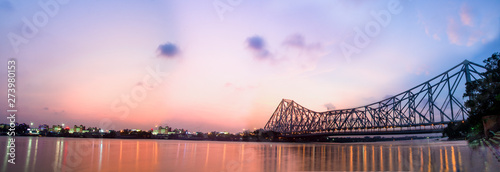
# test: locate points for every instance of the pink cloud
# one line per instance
(429, 29)
(436, 37)
(474, 37)
(239, 87)
(466, 16)
(453, 32)
(303, 55)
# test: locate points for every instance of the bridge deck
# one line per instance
(348, 133)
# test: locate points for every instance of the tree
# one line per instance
(457, 130)
(64, 132)
(22, 129)
(484, 95)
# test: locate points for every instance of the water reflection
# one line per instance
(68, 154)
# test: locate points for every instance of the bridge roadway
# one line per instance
(393, 130)
(380, 131)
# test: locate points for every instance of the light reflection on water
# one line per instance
(76, 154)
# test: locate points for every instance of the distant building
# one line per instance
(93, 129)
(43, 127)
(78, 129)
(33, 131)
(161, 130)
(55, 128)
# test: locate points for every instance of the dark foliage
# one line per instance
(483, 100)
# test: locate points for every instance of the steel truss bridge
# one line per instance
(425, 108)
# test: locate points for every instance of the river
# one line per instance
(89, 154)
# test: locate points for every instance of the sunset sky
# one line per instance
(225, 65)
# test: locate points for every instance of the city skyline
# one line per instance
(216, 66)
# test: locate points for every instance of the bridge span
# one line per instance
(425, 108)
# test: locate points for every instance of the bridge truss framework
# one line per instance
(426, 107)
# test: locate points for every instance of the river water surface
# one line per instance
(82, 154)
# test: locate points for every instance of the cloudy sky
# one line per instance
(225, 65)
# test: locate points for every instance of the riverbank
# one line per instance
(257, 139)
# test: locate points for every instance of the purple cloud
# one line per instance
(295, 40)
(258, 46)
(168, 50)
